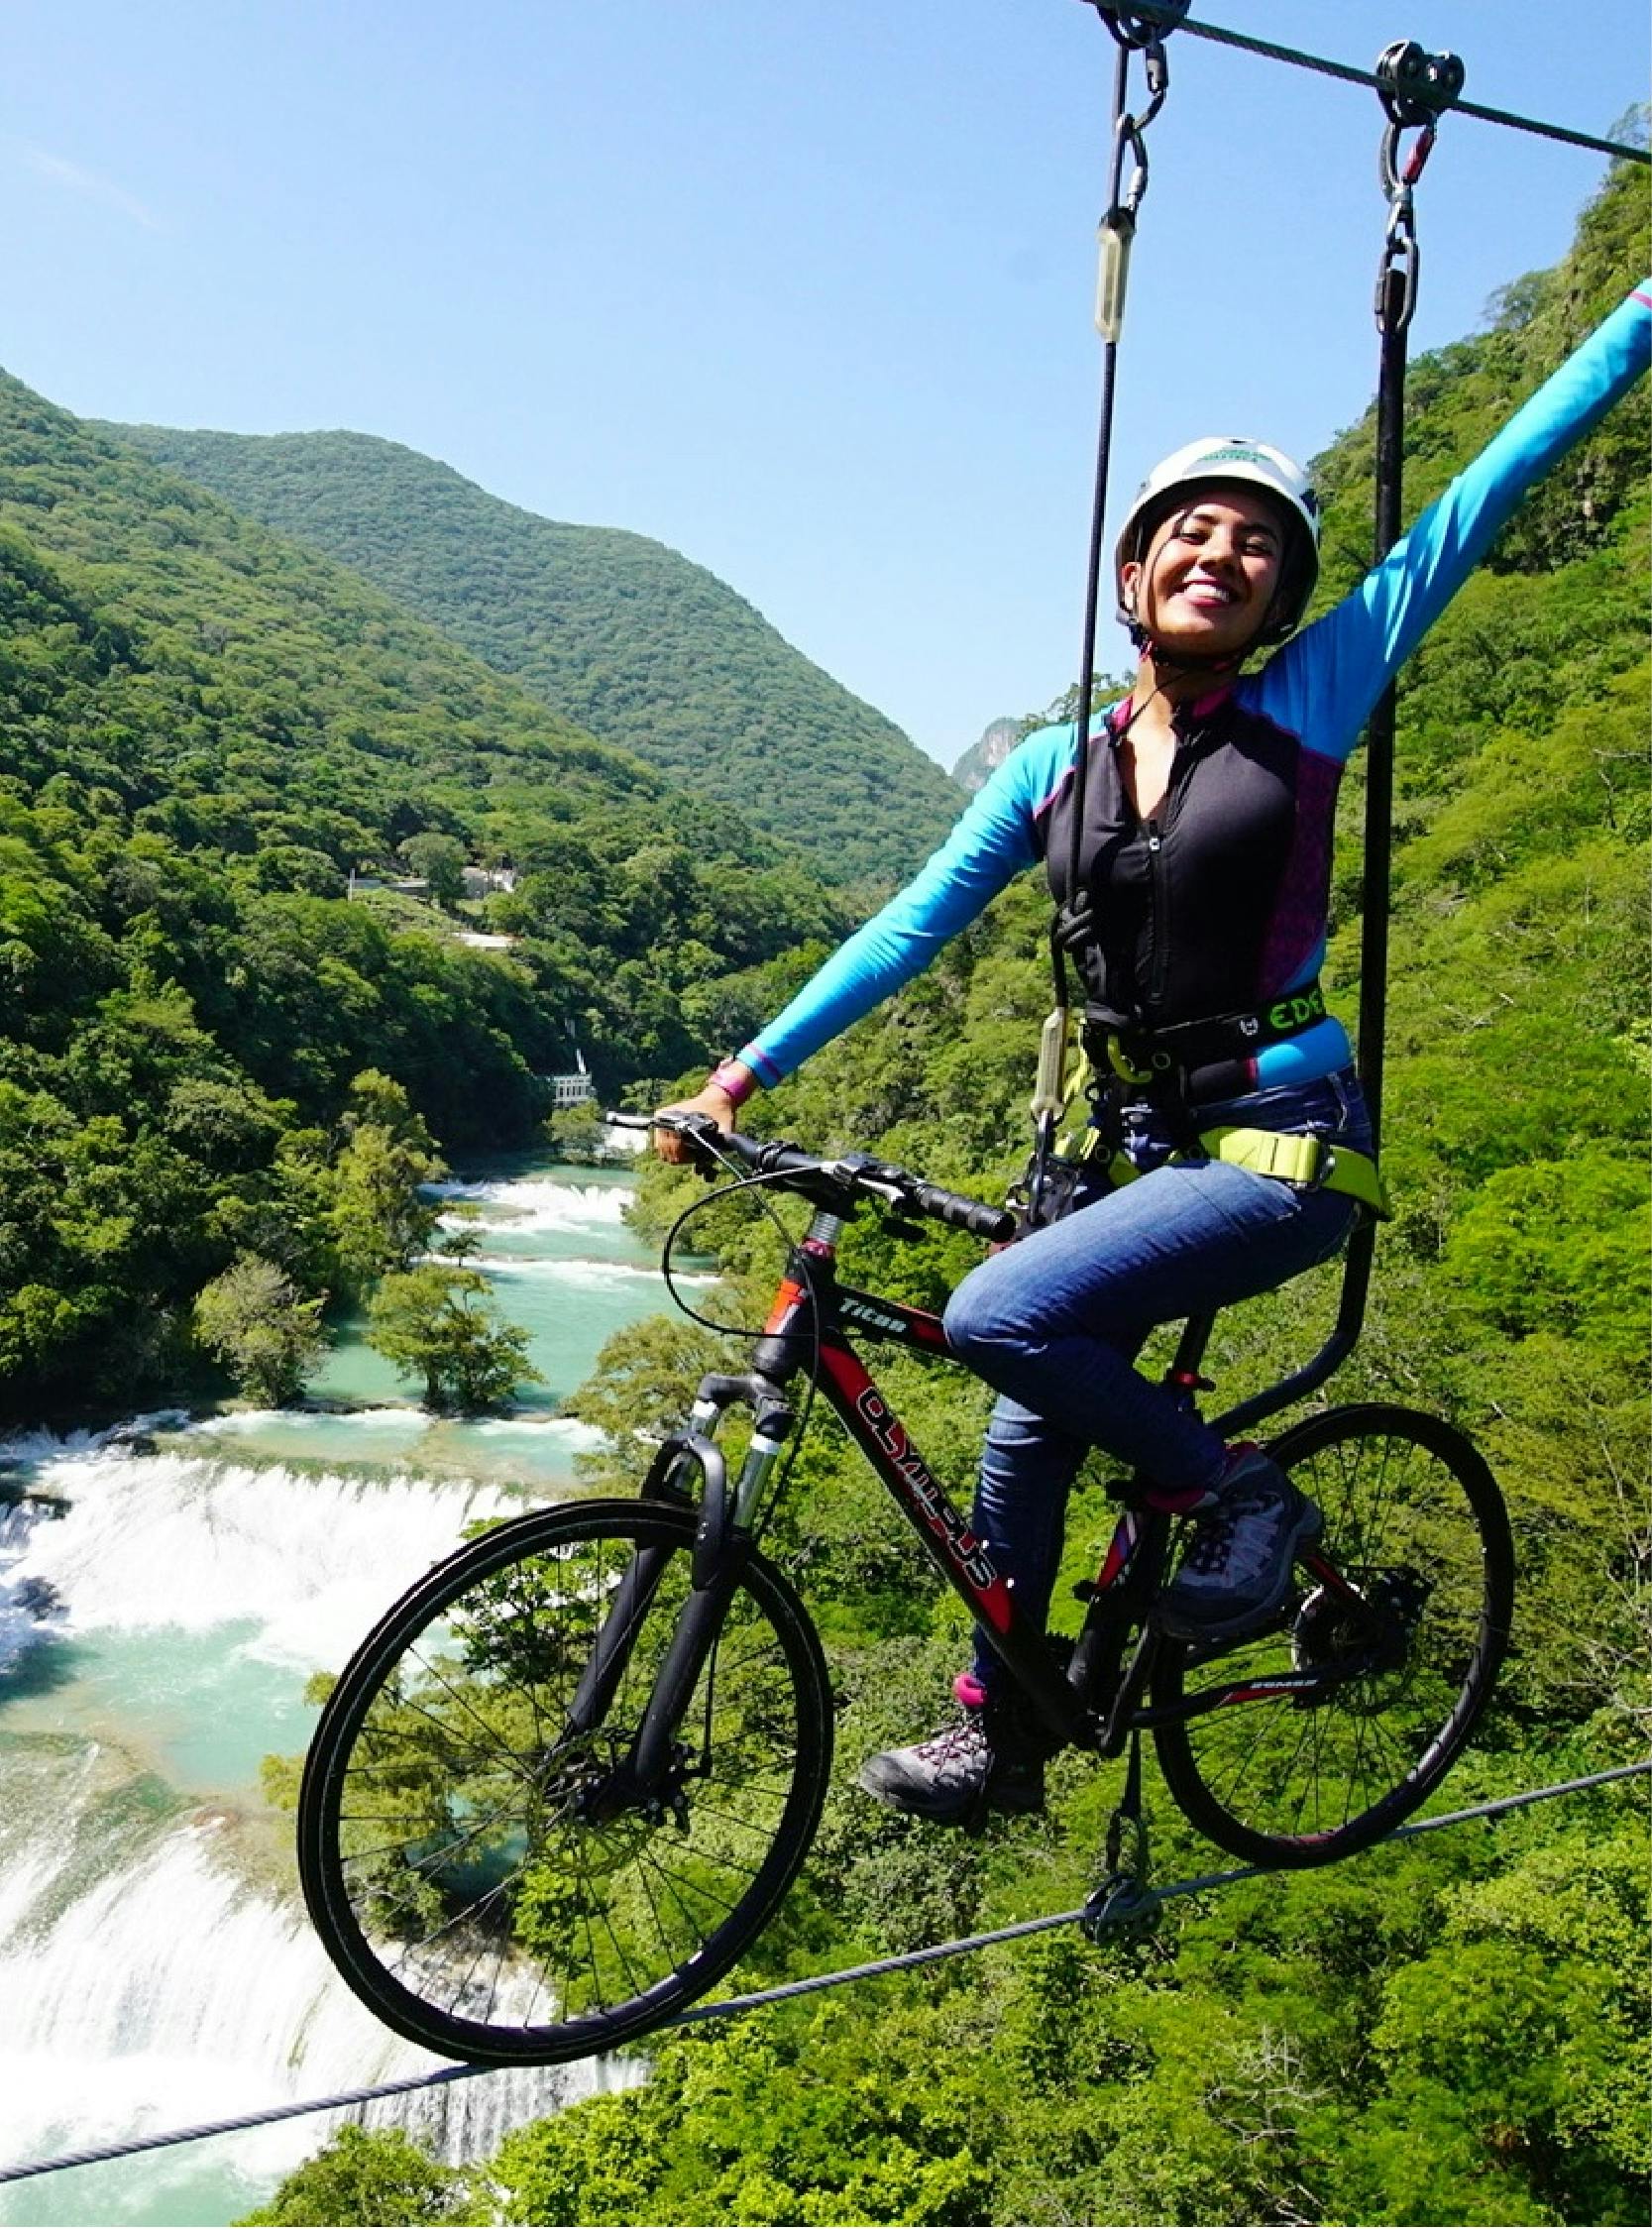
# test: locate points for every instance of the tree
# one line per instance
(577, 1133)
(434, 1323)
(440, 861)
(254, 1320)
(378, 1219)
(368, 2177)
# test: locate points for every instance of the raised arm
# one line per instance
(1325, 683)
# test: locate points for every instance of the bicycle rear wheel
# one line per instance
(473, 1864)
(1415, 1527)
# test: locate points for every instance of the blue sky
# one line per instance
(804, 291)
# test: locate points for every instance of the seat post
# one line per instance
(1185, 1375)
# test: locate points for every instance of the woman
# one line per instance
(1197, 926)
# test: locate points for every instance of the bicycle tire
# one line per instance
(1414, 1519)
(447, 1872)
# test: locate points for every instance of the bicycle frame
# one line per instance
(1096, 1701)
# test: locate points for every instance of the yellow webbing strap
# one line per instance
(1297, 1158)
(1294, 1156)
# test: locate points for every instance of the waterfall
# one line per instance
(156, 1964)
(520, 1205)
(175, 1541)
(176, 1988)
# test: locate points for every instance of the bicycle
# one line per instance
(563, 1785)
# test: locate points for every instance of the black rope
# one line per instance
(1395, 304)
(898, 1962)
(1170, 18)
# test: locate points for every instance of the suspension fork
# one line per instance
(720, 1542)
(723, 1538)
(666, 1481)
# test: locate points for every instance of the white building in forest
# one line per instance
(573, 1089)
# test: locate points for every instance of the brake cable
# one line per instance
(1132, 35)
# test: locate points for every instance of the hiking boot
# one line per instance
(973, 1765)
(1236, 1572)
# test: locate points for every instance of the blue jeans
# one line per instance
(1054, 1323)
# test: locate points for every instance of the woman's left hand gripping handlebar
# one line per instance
(716, 1100)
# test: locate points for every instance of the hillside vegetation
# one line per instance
(1448, 2031)
(203, 729)
(610, 629)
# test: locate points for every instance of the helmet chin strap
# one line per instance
(1170, 663)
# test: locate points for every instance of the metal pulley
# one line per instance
(1131, 28)
(1123, 1902)
(1414, 86)
(1120, 1905)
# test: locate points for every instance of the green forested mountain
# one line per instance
(1448, 2031)
(610, 629)
(204, 730)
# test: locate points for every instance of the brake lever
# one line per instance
(699, 1133)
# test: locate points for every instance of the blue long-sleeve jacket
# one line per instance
(1233, 908)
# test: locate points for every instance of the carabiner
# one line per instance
(1402, 260)
(1127, 140)
(1395, 178)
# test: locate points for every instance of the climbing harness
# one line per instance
(1299, 1157)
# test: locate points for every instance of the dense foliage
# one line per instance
(205, 731)
(610, 629)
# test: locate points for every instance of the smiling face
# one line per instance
(1211, 572)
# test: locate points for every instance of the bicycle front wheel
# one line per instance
(473, 1857)
(1409, 1648)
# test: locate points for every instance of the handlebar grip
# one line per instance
(959, 1209)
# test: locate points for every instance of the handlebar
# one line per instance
(816, 1175)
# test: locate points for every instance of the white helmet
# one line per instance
(1214, 461)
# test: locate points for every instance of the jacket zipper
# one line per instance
(1157, 832)
(1158, 911)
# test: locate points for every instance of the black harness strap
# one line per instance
(1142, 1055)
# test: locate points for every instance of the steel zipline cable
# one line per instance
(1087, 1916)
(1165, 15)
